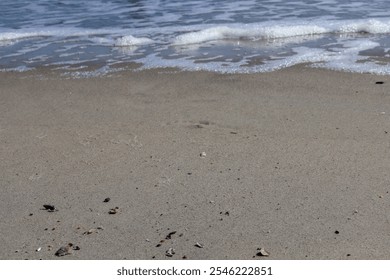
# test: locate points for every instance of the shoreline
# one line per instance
(295, 162)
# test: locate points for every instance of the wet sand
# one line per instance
(295, 162)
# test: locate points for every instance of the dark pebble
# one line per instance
(336, 232)
(107, 199)
(380, 83)
(31, 214)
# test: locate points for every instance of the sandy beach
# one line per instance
(295, 162)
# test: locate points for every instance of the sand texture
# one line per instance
(296, 162)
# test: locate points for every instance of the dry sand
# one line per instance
(296, 162)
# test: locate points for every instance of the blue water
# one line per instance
(96, 37)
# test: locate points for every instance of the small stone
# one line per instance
(170, 252)
(203, 154)
(380, 83)
(262, 252)
(39, 249)
(197, 244)
(184, 257)
(106, 199)
(30, 214)
(336, 232)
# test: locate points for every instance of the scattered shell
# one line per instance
(197, 244)
(107, 199)
(262, 252)
(39, 249)
(88, 232)
(170, 252)
(203, 154)
(64, 250)
(49, 208)
(113, 210)
(169, 236)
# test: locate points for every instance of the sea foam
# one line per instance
(277, 31)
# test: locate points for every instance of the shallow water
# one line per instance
(100, 36)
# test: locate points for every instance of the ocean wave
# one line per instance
(276, 31)
(99, 36)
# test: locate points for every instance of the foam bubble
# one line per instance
(130, 40)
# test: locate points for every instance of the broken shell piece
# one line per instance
(49, 208)
(169, 236)
(197, 244)
(92, 230)
(39, 249)
(170, 252)
(64, 250)
(262, 252)
(113, 210)
(203, 154)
